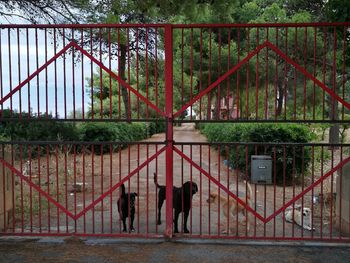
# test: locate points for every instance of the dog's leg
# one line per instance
(124, 224)
(247, 221)
(307, 227)
(119, 203)
(132, 216)
(227, 216)
(176, 218)
(245, 213)
(161, 198)
(226, 230)
(186, 213)
(229, 212)
(160, 204)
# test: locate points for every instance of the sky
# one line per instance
(22, 52)
(62, 87)
(58, 90)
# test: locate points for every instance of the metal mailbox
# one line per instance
(261, 169)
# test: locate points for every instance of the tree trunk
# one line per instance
(216, 112)
(280, 99)
(122, 75)
(282, 90)
(333, 113)
(334, 131)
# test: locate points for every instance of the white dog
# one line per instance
(300, 217)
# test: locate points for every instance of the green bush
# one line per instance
(290, 161)
(114, 132)
(35, 128)
(156, 127)
(96, 132)
(30, 127)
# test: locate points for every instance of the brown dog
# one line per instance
(230, 206)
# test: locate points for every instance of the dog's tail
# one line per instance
(250, 191)
(122, 190)
(155, 180)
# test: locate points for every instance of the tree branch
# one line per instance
(6, 15)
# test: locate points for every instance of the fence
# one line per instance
(70, 92)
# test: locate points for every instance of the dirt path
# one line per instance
(206, 220)
(96, 206)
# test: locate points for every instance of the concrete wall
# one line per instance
(6, 193)
(343, 200)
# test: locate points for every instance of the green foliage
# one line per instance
(156, 127)
(115, 132)
(28, 127)
(290, 160)
(194, 70)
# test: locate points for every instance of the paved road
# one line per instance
(124, 250)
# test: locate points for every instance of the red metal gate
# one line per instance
(86, 84)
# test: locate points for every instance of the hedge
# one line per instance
(291, 161)
(31, 127)
(45, 128)
(116, 132)
(111, 132)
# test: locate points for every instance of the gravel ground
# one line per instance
(124, 250)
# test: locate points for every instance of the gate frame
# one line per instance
(169, 128)
(169, 114)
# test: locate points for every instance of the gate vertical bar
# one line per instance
(169, 131)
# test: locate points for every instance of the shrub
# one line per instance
(35, 128)
(97, 132)
(31, 127)
(289, 160)
(112, 132)
(156, 127)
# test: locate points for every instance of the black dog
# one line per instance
(187, 191)
(126, 208)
